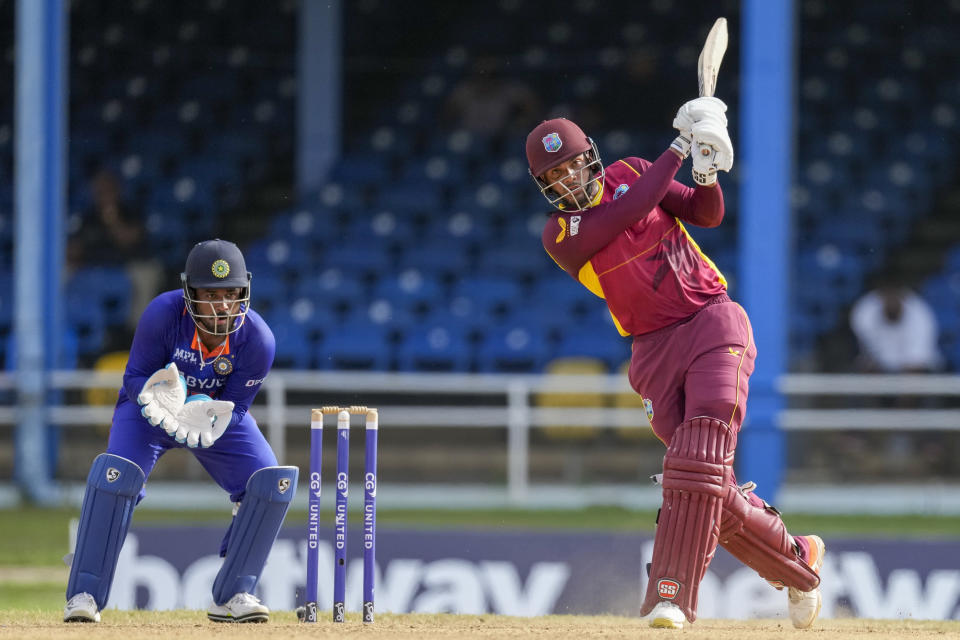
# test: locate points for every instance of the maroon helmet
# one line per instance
(553, 142)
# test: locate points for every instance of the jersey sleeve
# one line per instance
(573, 238)
(152, 345)
(243, 384)
(700, 206)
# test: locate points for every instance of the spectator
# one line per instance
(488, 102)
(112, 233)
(896, 330)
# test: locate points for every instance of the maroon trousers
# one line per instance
(697, 367)
(693, 376)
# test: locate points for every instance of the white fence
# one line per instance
(517, 412)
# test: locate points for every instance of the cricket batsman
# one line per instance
(619, 231)
(199, 356)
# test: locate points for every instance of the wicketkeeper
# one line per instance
(198, 358)
(620, 233)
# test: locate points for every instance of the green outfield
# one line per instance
(33, 576)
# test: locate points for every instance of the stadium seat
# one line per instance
(107, 288)
(355, 346)
(294, 348)
(433, 346)
(573, 365)
(513, 347)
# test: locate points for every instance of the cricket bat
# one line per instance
(708, 65)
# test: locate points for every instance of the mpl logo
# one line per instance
(667, 588)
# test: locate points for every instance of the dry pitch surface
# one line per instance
(193, 624)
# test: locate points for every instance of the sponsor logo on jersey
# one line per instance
(622, 189)
(552, 142)
(574, 225)
(563, 230)
(184, 354)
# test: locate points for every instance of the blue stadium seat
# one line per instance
(355, 346)
(411, 288)
(517, 259)
(361, 169)
(106, 288)
(492, 296)
(294, 348)
(446, 259)
(597, 339)
(334, 288)
(513, 348)
(435, 347)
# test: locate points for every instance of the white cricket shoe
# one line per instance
(667, 615)
(242, 607)
(804, 606)
(81, 608)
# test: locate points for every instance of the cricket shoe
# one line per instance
(242, 607)
(81, 608)
(804, 606)
(666, 615)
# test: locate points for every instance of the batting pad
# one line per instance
(755, 535)
(696, 472)
(112, 488)
(255, 527)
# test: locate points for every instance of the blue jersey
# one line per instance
(234, 371)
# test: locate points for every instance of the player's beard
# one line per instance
(218, 325)
(582, 196)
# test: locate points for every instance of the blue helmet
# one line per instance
(216, 264)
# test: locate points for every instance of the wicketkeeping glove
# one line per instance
(202, 420)
(712, 149)
(162, 397)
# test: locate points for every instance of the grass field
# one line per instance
(34, 624)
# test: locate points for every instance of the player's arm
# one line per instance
(152, 346)
(246, 380)
(701, 206)
(572, 238)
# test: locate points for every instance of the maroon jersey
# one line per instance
(631, 249)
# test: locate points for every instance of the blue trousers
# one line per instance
(232, 459)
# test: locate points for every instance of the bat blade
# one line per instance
(711, 56)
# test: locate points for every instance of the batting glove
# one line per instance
(713, 150)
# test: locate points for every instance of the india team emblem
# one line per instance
(222, 365)
(220, 269)
(552, 142)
